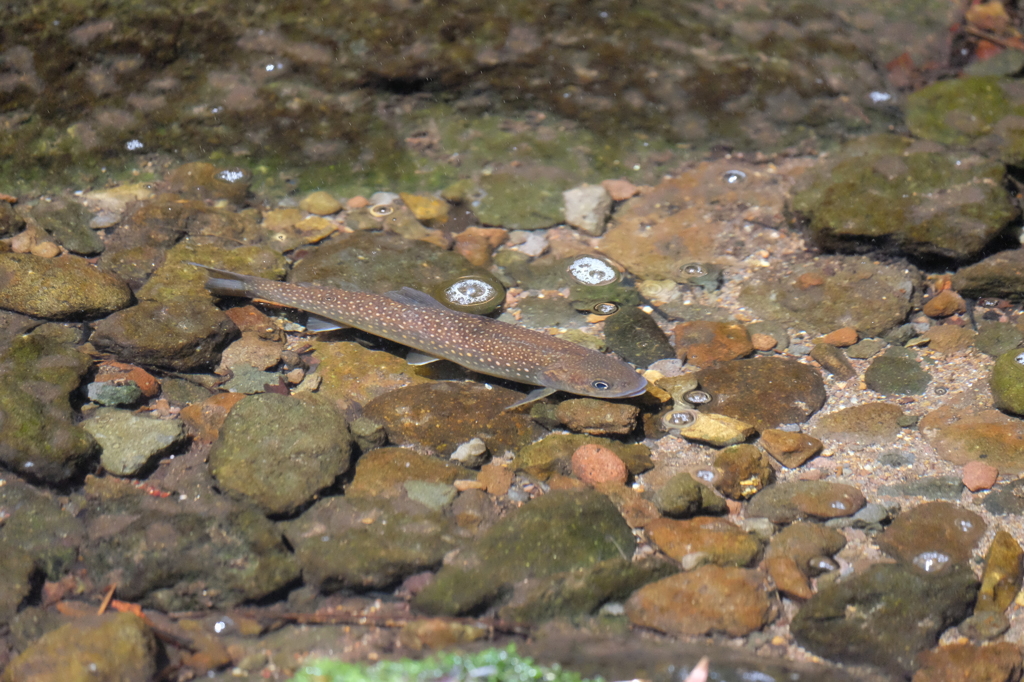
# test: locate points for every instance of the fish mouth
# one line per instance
(636, 392)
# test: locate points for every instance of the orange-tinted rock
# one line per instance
(205, 418)
(961, 436)
(721, 542)
(949, 338)
(385, 469)
(496, 478)
(1000, 662)
(944, 304)
(708, 599)
(1003, 574)
(597, 417)
(637, 510)
(250, 319)
(868, 424)
(979, 476)
(789, 448)
(807, 544)
(476, 244)
(788, 577)
(619, 189)
(743, 470)
(933, 536)
(841, 338)
(704, 343)
(120, 371)
(763, 342)
(595, 465)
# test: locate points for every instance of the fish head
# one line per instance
(595, 376)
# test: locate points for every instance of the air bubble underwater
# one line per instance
(478, 294)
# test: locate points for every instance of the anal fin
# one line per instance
(315, 323)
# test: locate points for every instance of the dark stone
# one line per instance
(884, 616)
(279, 452)
(637, 338)
(183, 334)
(559, 531)
(896, 372)
(763, 391)
(440, 416)
(338, 549)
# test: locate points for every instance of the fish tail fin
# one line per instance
(227, 283)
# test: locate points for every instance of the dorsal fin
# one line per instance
(411, 296)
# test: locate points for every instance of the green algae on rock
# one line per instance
(636, 337)
(866, 424)
(983, 112)
(559, 531)
(1007, 382)
(897, 372)
(59, 288)
(112, 646)
(363, 543)
(68, 223)
(38, 434)
(39, 527)
(164, 556)
(383, 471)
(279, 452)
(1001, 275)
(582, 591)
(682, 497)
(885, 194)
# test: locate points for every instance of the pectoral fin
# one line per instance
(415, 357)
(535, 394)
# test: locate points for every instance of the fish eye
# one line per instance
(601, 385)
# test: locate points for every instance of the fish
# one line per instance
(435, 332)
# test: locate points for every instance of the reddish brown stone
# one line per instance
(788, 577)
(704, 343)
(619, 189)
(708, 599)
(979, 476)
(789, 448)
(1000, 662)
(944, 304)
(476, 244)
(763, 342)
(841, 338)
(205, 418)
(722, 542)
(595, 465)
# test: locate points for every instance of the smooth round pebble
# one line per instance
(594, 465)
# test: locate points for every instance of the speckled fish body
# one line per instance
(479, 343)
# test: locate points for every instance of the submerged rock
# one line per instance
(1007, 382)
(933, 537)
(362, 543)
(560, 531)
(168, 557)
(764, 391)
(886, 193)
(114, 646)
(38, 434)
(279, 452)
(834, 292)
(885, 615)
(707, 600)
(129, 443)
(59, 288)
